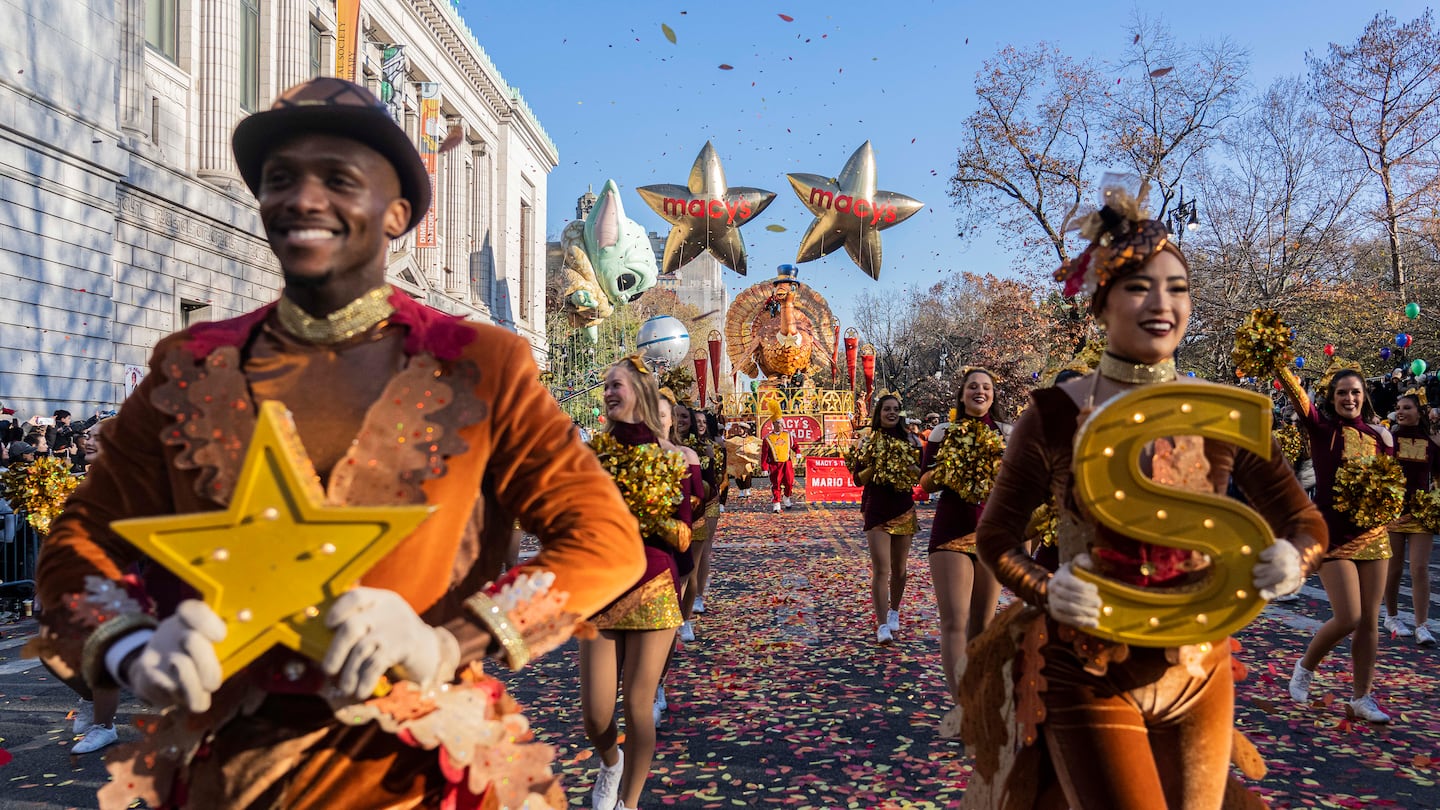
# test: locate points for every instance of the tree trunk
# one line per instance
(1392, 232)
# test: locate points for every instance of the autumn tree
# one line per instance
(1025, 149)
(1381, 95)
(1171, 103)
(1279, 223)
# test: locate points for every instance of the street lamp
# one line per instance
(1186, 214)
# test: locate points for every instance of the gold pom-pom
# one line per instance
(889, 461)
(1291, 443)
(968, 459)
(649, 478)
(39, 489)
(1370, 491)
(1425, 506)
(1262, 344)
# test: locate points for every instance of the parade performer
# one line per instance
(960, 462)
(1343, 431)
(742, 453)
(660, 481)
(398, 406)
(713, 466)
(1419, 456)
(1123, 726)
(777, 456)
(887, 466)
(684, 434)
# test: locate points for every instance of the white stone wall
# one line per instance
(119, 201)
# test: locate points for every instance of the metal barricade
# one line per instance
(19, 552)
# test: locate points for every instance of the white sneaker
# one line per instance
(660, 701)
(883, 636)
(606, 793)
(1366, 708)
(1384, 615)
(722, 508)
(892, 620)
(699, 608)
(84, 717)
(657, 715)
(1395, 626)
(1423, 636)
(776, 508)
(1300, 681)
(95, 738)
(687, 632)
(788, 503)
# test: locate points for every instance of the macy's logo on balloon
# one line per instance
(859, 206)
(727, 210)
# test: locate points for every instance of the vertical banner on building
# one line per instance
(392, 81)
(431, 135)
(347, 39)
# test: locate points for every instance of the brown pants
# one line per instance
(1147, 735)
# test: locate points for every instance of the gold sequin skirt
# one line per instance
(1407, 524)
(1372, 544)
(904, 524)
(652, 605)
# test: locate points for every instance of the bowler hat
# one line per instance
(330, 106)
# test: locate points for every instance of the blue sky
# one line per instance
(622, 102)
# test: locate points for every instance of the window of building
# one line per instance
(317, 50)
(250, 55)
(193, 312)
(527, 227)
(161, 32)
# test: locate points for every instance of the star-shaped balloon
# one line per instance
(850, 211)
(271, 564)
(706, 215)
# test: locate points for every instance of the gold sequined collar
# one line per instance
(342, 324)
(1125, 371)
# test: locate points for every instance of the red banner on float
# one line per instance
(714, 345)
(805, 429)
(827, 480)
(430, 138)
(700, 380)
(852, 345)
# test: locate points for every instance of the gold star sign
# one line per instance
(706, 214)
(849, 211)
(272, 563)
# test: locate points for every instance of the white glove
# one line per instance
(377, 630)
(178, 664)
(1072, 600)
(1278, 572)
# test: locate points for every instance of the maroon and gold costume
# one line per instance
(1096, 702)
(887, 508)
(1419, 457)
(955, 520)
(420, 408)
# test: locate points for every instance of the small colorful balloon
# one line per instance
(1402, 340)
(1189, 374)
(1412, 310)
(1275, 384)
(1329, 349)
(1299, 362)
(1385, 353)
(1417, 367)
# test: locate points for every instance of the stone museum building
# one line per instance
(122, 217)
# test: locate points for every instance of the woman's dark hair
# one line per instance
(965, 380)
(875, 414)
(1066, 375)
(1367, 411)
(712, 424)
(688, 434)
(1420, 407)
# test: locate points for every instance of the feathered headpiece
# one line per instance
(1121, 234)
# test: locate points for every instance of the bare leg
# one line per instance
(983, 599)
(702, 567)
(645, 654)
(879, 542)
(1420, 575)
(1397, 569)
(1342, 586)
(953, 574)
(599, 682)
(1365, 644)
(899, 559)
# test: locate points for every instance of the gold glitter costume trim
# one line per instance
(342, 324)
(1370, 545)
(902, 525)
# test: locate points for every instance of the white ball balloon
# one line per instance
(664, 340)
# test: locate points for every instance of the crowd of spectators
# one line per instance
(59, 435)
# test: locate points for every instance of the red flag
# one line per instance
(715, 360)
(700, 379)
(852, 344)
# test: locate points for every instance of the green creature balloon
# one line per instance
(608, 262)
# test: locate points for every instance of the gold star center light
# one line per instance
(272, 563)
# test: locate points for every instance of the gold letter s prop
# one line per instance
(1110, 485)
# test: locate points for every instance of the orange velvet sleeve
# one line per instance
(1023, 484)
(544, 475)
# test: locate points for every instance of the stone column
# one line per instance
(292, 43)
(218, 85)
(131, 16)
